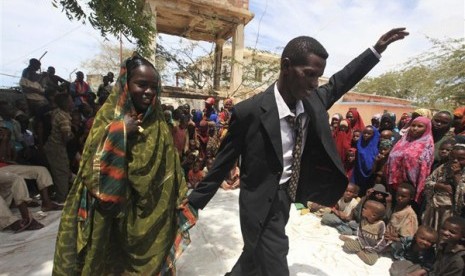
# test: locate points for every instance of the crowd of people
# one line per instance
(408, 176)
(405, 196)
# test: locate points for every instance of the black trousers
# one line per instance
(269, 257)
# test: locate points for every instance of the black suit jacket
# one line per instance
(254, 134)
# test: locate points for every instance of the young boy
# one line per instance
(403, 221)
(370, 235)
(414, 253)
(451, 249)
(340, 214)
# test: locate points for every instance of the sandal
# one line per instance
(35, 225)
(19, 226)
(53, 207)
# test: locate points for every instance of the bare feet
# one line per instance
(344, 238)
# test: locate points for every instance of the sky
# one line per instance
(29, 28)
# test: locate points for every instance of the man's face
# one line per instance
(302, 79)
(441, 121)
(80, 76)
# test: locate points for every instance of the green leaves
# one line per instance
(129, 18)
(434, 79)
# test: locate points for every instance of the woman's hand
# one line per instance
(132, 125)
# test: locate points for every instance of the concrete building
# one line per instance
(261, 70)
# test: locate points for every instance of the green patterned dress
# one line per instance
(120, 217)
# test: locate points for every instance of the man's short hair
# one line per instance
(300, 47)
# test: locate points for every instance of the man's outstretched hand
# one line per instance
(389, 37)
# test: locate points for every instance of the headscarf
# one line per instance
(349, 167)
(385, 144)
(410, 160)
(404, 118)
(121, 211)
(425, 112)
(366, 154)
(358, 121)
(198, 115)
(337, 116)
(391, 116)
(343, 139)
(459, 112)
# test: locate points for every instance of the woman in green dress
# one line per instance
(120, 216)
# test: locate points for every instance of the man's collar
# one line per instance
(283, 109)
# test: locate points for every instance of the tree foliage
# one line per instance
(128, 18)
(435, 78)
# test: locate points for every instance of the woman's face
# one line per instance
(350, 117)
(368, 133)
(417, 129)
(143, 87)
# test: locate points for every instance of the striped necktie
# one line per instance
(296, 125)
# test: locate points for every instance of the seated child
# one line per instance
(370, 235)
(403, 222)
(208, 165)
(414, 253)
(339, 215)
(232, 180)
(377, 193)
(195, 175)
(450, 253)
(188, 162)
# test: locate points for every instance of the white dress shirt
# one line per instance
(287, 133)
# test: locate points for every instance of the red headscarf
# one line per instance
(459, 112)
(410, 159)
(343, 139)
(357, 123)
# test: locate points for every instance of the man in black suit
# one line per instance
(261, 133)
